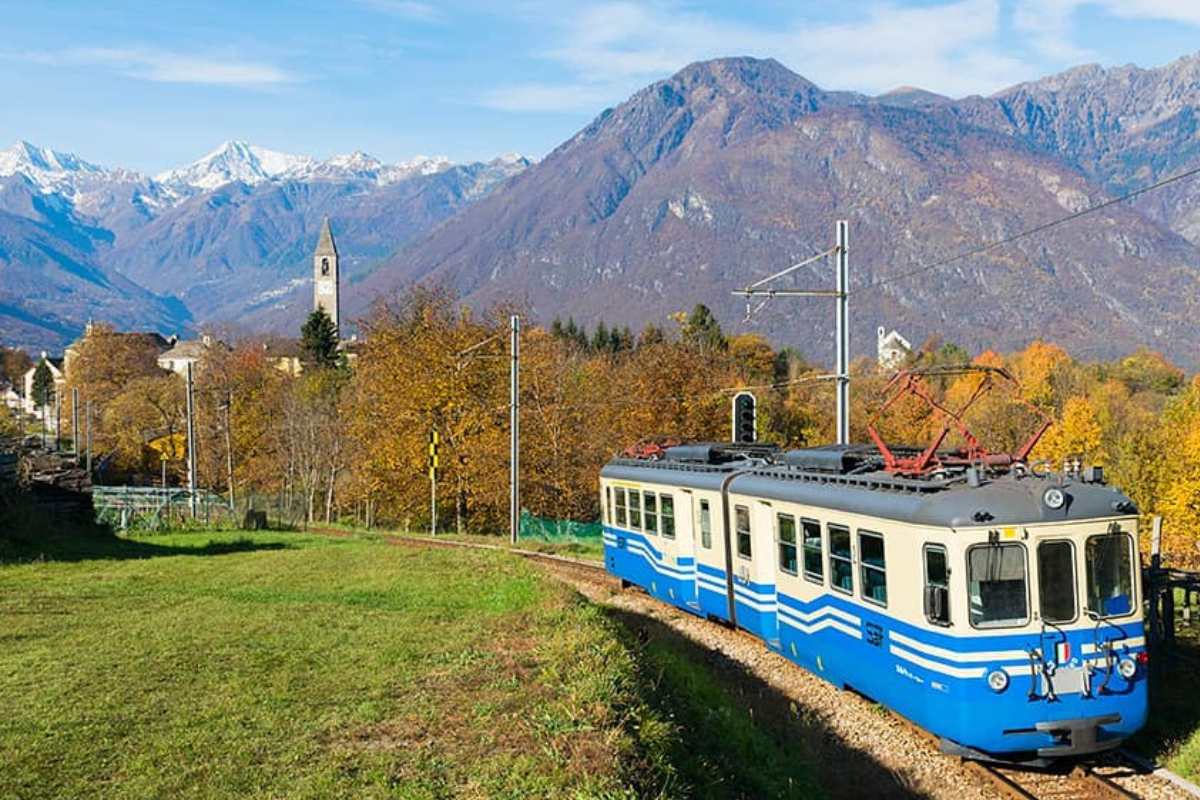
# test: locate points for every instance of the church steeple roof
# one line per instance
(325, 245)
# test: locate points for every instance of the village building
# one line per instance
(891, 349)
(151, 339)
(188, 352)
(326, 282)
(28, 403)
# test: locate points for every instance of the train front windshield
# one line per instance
(1109, 574)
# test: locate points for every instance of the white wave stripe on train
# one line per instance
(935, 666)
(827, 622)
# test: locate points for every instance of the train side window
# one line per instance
(743, 531)
(997, 585)
(705, 525)
(841, 559)
(622, 519)
(608, 509)
(814, 558)
(1056, 581)
(650, 511)
(937, 585)
(666, 505)
(635, 509)
(785, 532)
(872, 567)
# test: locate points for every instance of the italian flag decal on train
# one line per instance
(1062, 651)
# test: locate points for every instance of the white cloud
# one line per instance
(1049, 24)
(161, 66)
(609, 49)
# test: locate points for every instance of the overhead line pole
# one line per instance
(514, 459)
(75, 422)
(191, 441)
(840, 252)
(843, 333)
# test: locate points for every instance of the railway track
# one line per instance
(1078, 781)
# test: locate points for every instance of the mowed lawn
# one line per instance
(306, 667)
(288, 665)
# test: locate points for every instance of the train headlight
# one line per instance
(997, 680)
(1054, 497)
(1127, 667)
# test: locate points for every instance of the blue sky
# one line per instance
(155, 85)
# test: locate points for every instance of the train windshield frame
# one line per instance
(998, 585)
(1109, 561)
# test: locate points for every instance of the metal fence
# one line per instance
(154, 508)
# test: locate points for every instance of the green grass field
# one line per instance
(290, 665)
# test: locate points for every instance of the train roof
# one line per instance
(849, 478)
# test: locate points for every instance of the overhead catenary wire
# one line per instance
(979, 250)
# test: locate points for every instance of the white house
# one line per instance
(28, 404)
(186, 352)
(892, 349)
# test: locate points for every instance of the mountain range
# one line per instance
(699, 184)
(224, 237)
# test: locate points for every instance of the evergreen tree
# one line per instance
(556, 328)
(615, 342)
(43, 384)
(600, 340)
(319, 341)
(651, 335)
(626, 338)
(701, 330)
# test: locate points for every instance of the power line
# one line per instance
(1027, 233)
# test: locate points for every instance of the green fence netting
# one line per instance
(559, 530)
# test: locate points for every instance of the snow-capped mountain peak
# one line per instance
(236, 161)
(50, 169)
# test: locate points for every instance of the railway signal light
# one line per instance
(745, 418)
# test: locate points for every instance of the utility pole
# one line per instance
(89, 439)
(841, 295)
(229, 448)
(514, 459)
(75, 422)
(843, 333)
(57, 421)
(191, 441)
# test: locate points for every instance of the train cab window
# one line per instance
(814, 558)
(705, 525)
(743, 531)
(785, 535)
(872, 567)
(997, 585)
(666, 505)
(1109, 560)
(622, 518)
(1056, 581)
(937, 585)
(650, 511)
(841, 559)
(635, 509)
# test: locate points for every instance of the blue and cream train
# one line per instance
(1000, 612)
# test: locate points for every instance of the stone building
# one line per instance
(326, 287)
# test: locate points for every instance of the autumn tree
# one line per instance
(148, 418)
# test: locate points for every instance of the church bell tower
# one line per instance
(325, 274)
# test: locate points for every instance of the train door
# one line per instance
(753, 572)
(660, 511)
(708, 522)
(685, 546)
